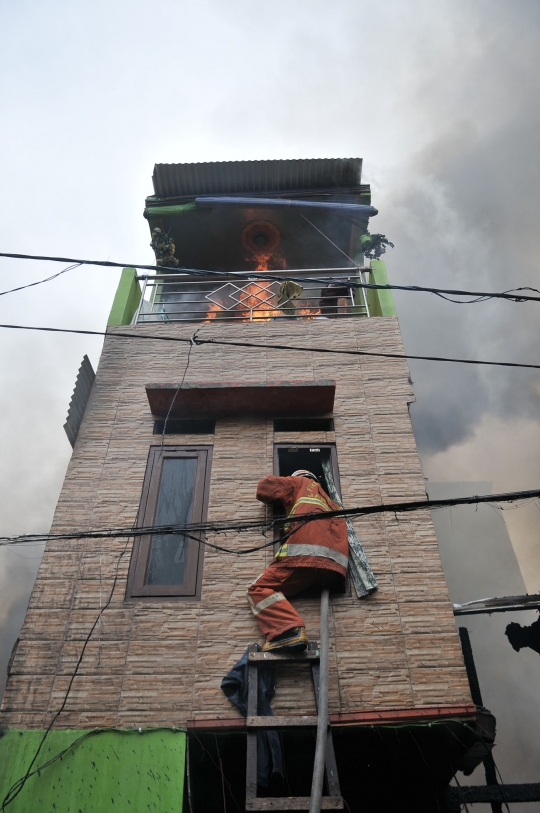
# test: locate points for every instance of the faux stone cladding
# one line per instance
(160, 662)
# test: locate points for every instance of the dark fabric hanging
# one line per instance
(328, 303)
(235, 686)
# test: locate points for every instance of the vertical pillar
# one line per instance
(476, 694)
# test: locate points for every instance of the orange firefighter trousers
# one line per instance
(269, 593)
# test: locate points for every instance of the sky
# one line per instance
(439, 97)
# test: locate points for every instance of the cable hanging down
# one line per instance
(512, 295)
(17, 786)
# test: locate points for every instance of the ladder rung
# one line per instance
(281, 722)
(308, 655)
(293, 803)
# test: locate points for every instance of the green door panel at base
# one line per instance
(107, 770)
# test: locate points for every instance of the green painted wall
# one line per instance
(383, 300)
(108, 770)
(127, 298)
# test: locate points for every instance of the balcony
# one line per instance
(324, 294)
(327, 293)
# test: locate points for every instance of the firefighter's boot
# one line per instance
(293, 640)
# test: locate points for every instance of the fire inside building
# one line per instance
(143, 678)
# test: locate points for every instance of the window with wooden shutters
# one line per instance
(175, 492)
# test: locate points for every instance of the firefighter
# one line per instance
(314, 555)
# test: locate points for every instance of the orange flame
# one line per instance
(212, 311)
(255, 295)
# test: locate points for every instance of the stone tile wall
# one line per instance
(152, 663)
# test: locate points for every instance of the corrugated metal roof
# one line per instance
(79, 399)
(224, 177)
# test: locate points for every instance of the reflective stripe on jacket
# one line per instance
(316, 543)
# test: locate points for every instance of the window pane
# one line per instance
(168, 554)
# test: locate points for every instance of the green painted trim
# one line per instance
(127, 298)
(107, 770)
(386, 305)
(152, 212)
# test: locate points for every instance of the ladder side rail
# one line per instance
(252, 710)
(323, 719)
(332, 777)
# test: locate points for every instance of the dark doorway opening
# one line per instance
(380, 768)
(289, 457)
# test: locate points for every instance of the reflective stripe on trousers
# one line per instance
(265, 603)
(269, 595)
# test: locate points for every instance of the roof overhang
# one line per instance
(270, 399)
(232, 177)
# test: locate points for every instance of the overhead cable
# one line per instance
(41, 281)
(350, 259)
(260, 346)
(513, 294)
(258, 524)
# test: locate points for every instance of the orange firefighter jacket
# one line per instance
(317, 543)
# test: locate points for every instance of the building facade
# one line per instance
(129, 638)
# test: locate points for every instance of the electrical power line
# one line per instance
(190, 529)
(293, 348)
(513, 294)
(365, 353)
(41, 281)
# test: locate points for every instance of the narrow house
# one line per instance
(127, 638)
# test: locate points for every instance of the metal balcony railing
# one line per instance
(187, 298)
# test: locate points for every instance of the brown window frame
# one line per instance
(191, 589)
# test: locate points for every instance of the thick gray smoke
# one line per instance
(467, 219)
